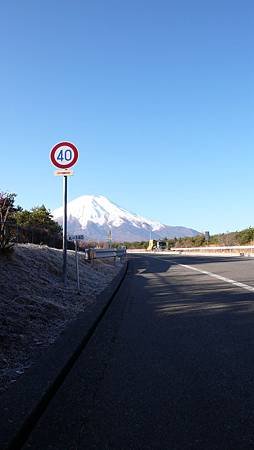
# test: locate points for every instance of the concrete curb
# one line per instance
(24, 402)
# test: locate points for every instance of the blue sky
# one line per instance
(157, 95)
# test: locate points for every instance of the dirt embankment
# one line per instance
(35, 307)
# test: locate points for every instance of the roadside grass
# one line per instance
(35, 307)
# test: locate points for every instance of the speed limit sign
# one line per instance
(64, 155)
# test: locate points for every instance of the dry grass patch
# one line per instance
(35, 307)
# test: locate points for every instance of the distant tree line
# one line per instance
(131, 245)
(243, 237)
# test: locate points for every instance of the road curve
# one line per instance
(171, 365)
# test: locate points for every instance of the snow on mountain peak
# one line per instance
(95, 215)
(101, 211)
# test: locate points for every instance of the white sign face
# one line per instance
(64, 155)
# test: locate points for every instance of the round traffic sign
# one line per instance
(64, 155)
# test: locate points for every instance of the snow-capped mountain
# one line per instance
(95, 215)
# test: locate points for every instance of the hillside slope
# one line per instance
(34, 306)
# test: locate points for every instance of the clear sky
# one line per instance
(158, 95)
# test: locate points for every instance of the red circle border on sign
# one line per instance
(56, 147)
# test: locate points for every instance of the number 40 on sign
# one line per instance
(64, 155)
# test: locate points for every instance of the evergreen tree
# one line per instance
(39, 218)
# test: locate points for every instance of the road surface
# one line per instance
(170, 367)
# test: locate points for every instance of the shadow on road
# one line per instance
(189, 259)
(200, 335)
(175, 290)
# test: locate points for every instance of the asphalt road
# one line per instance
(171, 366)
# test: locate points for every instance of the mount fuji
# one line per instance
(95, 215)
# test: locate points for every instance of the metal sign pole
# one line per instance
(77, 265)
(65, 230)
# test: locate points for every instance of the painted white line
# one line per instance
(210, 274)
(219, 277)
(141, 270)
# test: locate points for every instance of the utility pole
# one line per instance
(110, 237)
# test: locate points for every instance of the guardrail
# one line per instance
(234, 250)
(99, 253)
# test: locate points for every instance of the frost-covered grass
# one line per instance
(35, 307)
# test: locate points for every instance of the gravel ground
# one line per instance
(34, 307)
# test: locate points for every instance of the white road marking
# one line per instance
(210, 274)
(141, 270)
(219, 277)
